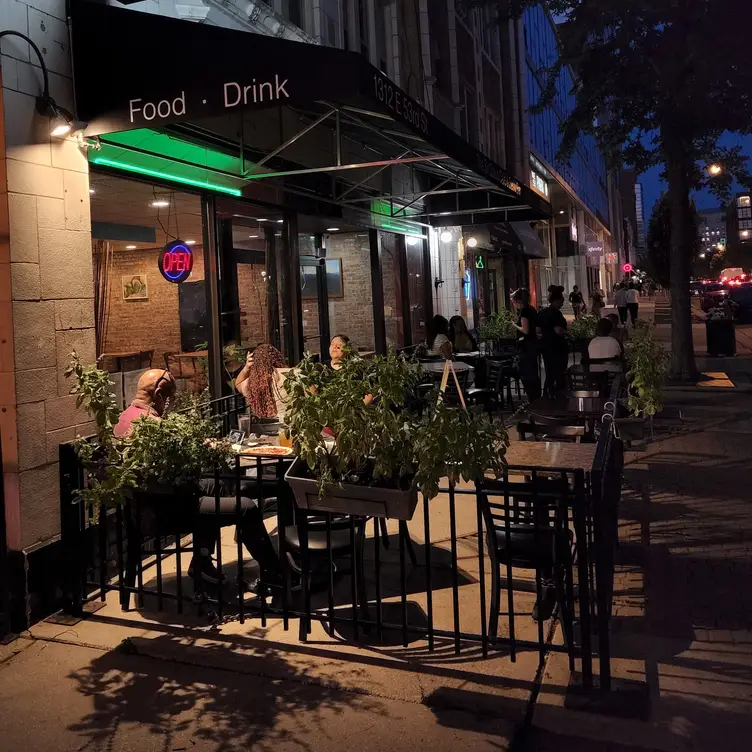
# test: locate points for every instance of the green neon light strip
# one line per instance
(165, 176)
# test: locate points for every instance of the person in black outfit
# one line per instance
(577, 301)
(527, 344)
(552, 328)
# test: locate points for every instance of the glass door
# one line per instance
(314, 294)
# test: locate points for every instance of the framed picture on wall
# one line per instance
(334, 285)
(135, 287)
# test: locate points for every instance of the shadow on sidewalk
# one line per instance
(227, 709)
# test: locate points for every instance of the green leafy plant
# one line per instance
(175, 451)
(647, 363)
(372, 439)
(499, 325)
(583, 327)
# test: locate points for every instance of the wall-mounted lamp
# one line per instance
(62, 121)
(472, 242)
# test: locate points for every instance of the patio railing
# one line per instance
(464, 571)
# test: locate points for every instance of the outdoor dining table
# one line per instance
(549, 455)
(566, 407)
(437, 366)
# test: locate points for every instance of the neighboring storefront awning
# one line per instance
(529, 239)
(139, 71)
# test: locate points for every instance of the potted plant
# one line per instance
(647, 366)
(499, 329)
(581, 331)
(361, 453)
(159, 459)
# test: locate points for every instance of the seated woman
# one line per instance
(438, 343)
(605, 348)
(261, 382)
(462, 340)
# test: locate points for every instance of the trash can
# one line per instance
(721, 337)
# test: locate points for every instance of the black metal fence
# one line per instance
(558, 526)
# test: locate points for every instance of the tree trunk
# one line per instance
(683, 365)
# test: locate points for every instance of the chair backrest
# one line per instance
(537, 504)
(581, 380)
(555, 431)
(451, 394)
(495, 372)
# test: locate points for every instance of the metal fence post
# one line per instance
(71, 529)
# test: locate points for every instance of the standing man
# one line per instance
(577, 301)
(620, 299)
(633, 302)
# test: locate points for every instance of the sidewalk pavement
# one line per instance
(681, 641)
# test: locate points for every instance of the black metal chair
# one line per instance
(527, 527)
(498, 389)
(581, 380)
(551, 431)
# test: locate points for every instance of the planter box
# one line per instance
(721, 337)
(633, 429)
(349, 498)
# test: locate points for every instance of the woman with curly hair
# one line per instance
(261, 382)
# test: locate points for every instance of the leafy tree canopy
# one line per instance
(659, 240)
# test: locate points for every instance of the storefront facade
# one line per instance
(277, 195)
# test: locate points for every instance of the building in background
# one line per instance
(641, 245)
(629, 214)
(739, 221)
(712, 231)
(584, 237)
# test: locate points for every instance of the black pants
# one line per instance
(530, 373)
(555, 364)
(632, 308)
(622, 314)
(251, 528)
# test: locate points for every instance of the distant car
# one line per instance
(741, 295)
(695, 287)
(732, 272)
(713, 295)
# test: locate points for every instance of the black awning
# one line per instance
(138, 70)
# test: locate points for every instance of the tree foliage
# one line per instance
(658, 82)
(659, 240)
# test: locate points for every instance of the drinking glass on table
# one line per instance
(284, 439)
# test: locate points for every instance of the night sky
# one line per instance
(653, 186)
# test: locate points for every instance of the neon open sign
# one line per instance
(176, 261)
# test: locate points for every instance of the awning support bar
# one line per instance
(291, 141)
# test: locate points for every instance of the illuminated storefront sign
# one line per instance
(176, 261)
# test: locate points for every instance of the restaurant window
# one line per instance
(348, 254)
(252, 306)
(392, 281)
(416, 282)
(142, 318)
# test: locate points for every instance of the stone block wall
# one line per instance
(46, 284)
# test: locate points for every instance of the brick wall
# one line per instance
(46, 285)
(252, 292)
(352, 314)
(152, 324)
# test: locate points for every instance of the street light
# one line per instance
(715, 169)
